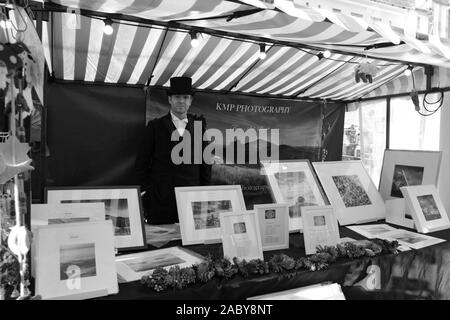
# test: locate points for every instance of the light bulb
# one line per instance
(108, 29)
(262, 51)
(326, 54)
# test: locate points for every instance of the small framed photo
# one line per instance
(75, 260)
(52, 213)
(122, 206)
(200, 208)
(426, 208)
(274, 225)
(372, 231)
(320, 227)
(293, 182)
(351, 191)
(408, 168)
(411, 239)
(132, 267)
(241, 236)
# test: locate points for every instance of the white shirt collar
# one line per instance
(176, 119)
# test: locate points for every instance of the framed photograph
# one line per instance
(320, 227)
(274, 225)
(408, 168)
(241, 236)
(294, 182)
(411, 239)
(325, 291)
(426, 208)
(132, 267)
(52, 213)
(122, 206)
(199, 210)
(372, 231)
(75, 260)
(351, 191)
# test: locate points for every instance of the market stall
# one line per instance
(95, 72)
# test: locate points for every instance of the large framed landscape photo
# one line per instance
(403, 168)
(351, 191)
(122, 206)
(293, 182)
(199, 209)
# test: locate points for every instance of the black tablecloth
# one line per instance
(414, 274)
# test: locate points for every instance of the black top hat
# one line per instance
(180, 85)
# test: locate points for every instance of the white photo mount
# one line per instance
(75, 260)
(200, 208)
(350, 191)
(241, 236)
(131, 267)
(407, 168)
(52, 213)
(294, 182)
(411, 239)
(320, 227)
(122, 204)
(274, 225)
(397, 213)
(426, 208)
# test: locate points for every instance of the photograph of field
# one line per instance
(429, 207)
(405, 176)
(77, 257)
(116, 210)
(351, 191)
(206, 213)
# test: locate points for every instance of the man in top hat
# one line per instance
(157, 173)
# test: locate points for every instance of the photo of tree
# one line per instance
(405, 176)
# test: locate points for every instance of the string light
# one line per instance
(262, 51)
(326, 54)
(408, 71)
(194, 39)
(108, 29)
(319, 56)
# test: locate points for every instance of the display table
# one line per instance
(414, 274)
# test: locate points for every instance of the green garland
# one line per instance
(180, 278)
(9, 271)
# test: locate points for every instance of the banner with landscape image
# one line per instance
(299, 124)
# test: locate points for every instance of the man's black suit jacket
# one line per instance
(157, 173)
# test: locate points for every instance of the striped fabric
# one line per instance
(141, 55)
(133, 53)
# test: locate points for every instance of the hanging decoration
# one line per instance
(18, 76)
(180, 278)
(365, 72)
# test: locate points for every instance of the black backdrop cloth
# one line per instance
(93, 134)
(415, 274)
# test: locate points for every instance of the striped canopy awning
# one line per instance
(141, 53)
